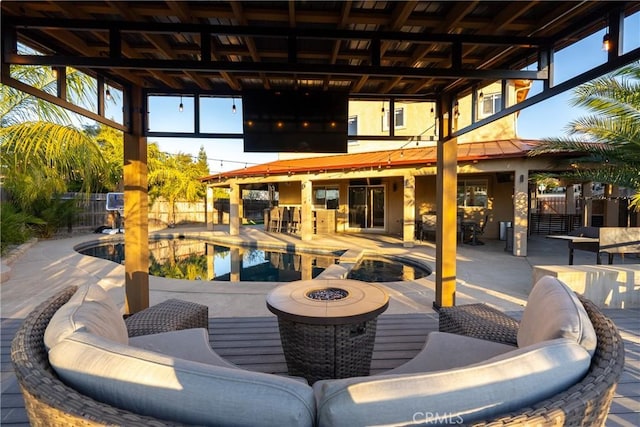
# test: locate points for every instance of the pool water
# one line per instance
(194, 259)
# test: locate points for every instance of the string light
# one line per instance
(181, 106)
(606, 42)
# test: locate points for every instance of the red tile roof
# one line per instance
(498, 149)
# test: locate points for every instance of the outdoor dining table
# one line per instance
(327, 327)
(571, 240)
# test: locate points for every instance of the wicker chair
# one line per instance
(586, 403)
(48, 401)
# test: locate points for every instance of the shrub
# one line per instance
(15, 227)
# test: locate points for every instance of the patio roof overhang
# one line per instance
(436, 50)
(406, 157)
(429, 50)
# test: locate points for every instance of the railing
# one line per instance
(553, 223)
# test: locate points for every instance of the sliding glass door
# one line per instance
(366, 207)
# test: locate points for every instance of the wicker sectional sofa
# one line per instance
(61, 396)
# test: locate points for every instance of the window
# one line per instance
(398, 118)
(326, 197)
(490, 104)
(472, 193)
(353, 125)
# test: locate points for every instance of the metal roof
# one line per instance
(397, 158)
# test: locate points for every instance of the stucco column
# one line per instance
(409, 228)
(234, 210)
(306, 213)
(520, 211)
(587, 208)
(570, 200)
(136, 211)
(209, 208)
(612, 205)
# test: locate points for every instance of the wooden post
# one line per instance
(446, 209)
(136, 210)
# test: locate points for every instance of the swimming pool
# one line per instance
(195, 259)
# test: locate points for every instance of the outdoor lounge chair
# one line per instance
(49, 401)
(428, 226)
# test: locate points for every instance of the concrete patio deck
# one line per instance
(484, 274)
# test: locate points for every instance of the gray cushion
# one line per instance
(90, 309)
(446, 351)
(554, 311)
(189, 344)
(501, 384)
(179, 390)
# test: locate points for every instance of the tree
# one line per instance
(203, 162)
(607, 141)
(174, 177)
(42, 153)
(111, 145)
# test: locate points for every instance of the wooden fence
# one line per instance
(93, 213)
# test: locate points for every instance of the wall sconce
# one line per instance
(107, 94)
(521, 178)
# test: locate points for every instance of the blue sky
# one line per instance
(545, 119)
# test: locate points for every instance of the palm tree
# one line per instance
(175, 177)
(41, 152)
(607, 141)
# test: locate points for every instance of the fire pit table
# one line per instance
(327, 327)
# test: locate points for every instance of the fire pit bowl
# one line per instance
(327, 294)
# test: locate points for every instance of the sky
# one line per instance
(546, 119)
